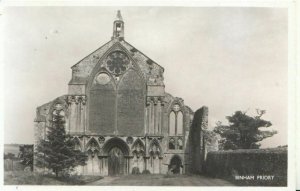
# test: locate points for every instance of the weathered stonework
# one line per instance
(118, 112)
(197, 148)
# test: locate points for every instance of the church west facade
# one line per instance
(118, 112)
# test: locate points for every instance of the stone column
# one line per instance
(77, 113)
(159, 126)
(72, 114)
(150, 119)
(155, 124)
(105, 167)
(147, 115)
(82, 112)
(153, 116)
(160, 164)
(146, 157)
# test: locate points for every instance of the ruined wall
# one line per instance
(200, 121)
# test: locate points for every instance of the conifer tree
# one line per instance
(57, 151)
(26, 155)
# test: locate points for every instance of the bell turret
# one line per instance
(118, 29)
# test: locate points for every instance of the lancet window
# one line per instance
(176, 121)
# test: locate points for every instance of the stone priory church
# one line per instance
(118, 112)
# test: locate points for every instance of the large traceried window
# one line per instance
(176, 121)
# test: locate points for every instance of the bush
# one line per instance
(146, 172)
(135, 170)
(249, 162)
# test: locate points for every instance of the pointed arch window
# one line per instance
(179, 123)
(172, 125)
(176, 121)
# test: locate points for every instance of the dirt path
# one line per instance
(161, 180)
(106, 181)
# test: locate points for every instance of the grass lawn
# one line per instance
(31, 178)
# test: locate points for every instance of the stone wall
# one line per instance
(102, 104)
(200, 122)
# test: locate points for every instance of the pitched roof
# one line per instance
(83, 68)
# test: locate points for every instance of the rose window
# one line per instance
(117, 62)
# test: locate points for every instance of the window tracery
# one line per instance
(176, 120)
(154, 150)
(117, 62)
(93, 147)
(138, 148)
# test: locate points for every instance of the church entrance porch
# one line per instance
(116, 162)
(116, 156)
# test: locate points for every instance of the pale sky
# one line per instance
(225, 58)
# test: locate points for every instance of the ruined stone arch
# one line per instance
(175, 164)
(175, 156)
(63, 107)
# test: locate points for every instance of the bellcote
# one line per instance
(118, 28)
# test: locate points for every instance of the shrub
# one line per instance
(247, 162)
(146, 172)
(135, 170)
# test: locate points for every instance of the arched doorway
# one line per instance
(117, 152)
(175, 165)
(115, 162)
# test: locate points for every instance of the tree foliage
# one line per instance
(243, 131)
(26, 155)
(210, 137)
(57, 151)
(10, 156)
